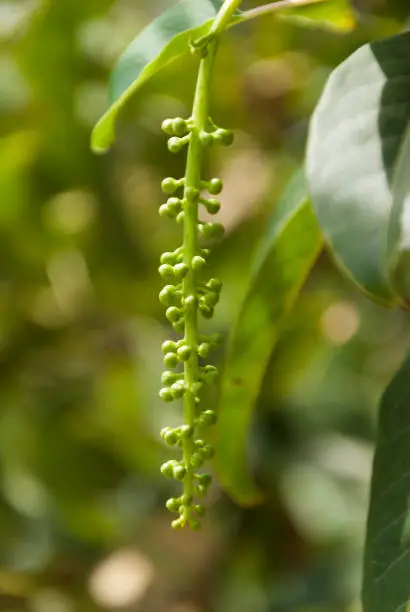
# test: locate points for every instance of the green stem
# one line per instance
(193, 182)
(266, 9)
(224, 16)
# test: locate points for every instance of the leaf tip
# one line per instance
(102, 136)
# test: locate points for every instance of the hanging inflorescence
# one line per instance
(186, 295)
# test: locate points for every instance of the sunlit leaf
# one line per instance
(386, 584)
(159, 44)
(358, 167)
(282, 263)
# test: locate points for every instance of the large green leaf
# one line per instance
(386, 581)
(160, 43)
(282, 263)
(167, 38)
(358, 167)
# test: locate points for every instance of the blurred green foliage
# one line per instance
(82, 524)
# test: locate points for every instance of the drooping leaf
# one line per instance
(386, 584)
(358, 167)
(333, 15)
(160, 43)
(167, 38)
(281, 265)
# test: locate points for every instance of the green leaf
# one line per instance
(282, 263)
(333, 15)
(357, 165)
(386, 584)
(159, 44)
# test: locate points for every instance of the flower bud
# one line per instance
(166, 271)
(173, 314)
(173, 504)
(179, 126)
(169, 185)
(166, 394)
(167, 127)
(198, 263)
(184, 353)
(215, 186)
(169, 347)
(180, 271)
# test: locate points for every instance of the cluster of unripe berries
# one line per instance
(174, 268)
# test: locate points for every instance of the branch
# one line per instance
(271, 8)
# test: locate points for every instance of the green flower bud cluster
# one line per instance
(185, 296)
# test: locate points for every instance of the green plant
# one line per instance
(354, 193)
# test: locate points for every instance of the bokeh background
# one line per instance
(82, 522)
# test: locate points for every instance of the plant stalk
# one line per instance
(193, 182)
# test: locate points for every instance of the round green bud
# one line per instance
(167, 127)
(211, 377)
(206, 139)
(184, 353)
(205, 310)
(167, 294)
(186, 431)
(173, 504)
(211, 230)
(179, 472)
(178, 524)
(174, 205)
(214, 284)
(165, 211)
(211, 299)
(175, 144)
(204, 349)
(198, 262)
(190, 301)
(224, 137)
(180, 217)
(208, 451)
(168, 347)
(198, 443)
(166, 394)
(169, 258)
(197, 460)
(169, 436)
(173, 314)
(180, 270)
(213, 206)
(194, 524)
(167, 469)
(192, 194)
(166, 271)
(179, 126)
(199, 509)
(168, 378)
(178, 389)
(208, 417)
(171, 360)
(215, 186)
(169, 185)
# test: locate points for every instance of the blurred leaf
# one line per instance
(335, 15)
(387, 554)
(281, 265)
(159, 44)
(357, 165)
